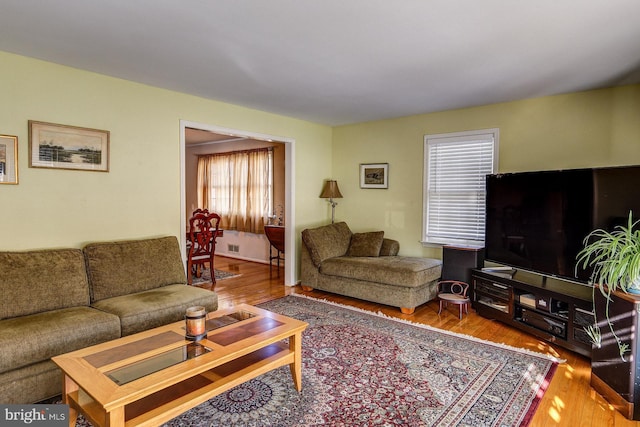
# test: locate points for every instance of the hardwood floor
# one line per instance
(569, 400)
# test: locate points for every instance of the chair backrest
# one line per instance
(197, 211)
(453, 287)
(203, 230)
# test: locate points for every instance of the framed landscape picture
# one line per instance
(8, 159)
(374, 175)
(56, 146)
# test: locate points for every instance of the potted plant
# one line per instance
(615, 259)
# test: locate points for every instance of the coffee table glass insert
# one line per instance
(161, 361)
(156, 363)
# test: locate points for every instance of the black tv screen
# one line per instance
(537, 221)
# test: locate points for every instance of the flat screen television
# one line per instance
(537, 221)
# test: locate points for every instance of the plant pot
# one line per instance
(611, 376)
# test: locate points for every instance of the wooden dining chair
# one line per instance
(203, 230)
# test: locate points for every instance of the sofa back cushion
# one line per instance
(328, 241)
(44, 280)
(126, 267)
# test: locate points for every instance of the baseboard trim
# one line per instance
(259, 261)
(610, 395)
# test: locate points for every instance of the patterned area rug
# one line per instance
(363, 369)
(205, 277)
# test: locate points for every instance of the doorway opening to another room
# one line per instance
(199, 138)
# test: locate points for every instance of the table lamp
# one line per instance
(331, 191)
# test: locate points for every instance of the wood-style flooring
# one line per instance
(569, 400)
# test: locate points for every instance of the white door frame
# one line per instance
(289, 243)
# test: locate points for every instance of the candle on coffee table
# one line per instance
(195, 323)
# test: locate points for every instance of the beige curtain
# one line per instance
(238, 187)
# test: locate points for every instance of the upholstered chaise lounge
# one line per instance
(60, 300)
(366, 266)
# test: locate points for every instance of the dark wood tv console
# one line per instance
(552, 309)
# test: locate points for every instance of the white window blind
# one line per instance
(456, 166)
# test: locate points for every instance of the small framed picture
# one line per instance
(374, 175)
(8, 159)
(68, 147)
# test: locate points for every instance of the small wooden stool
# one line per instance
(454, 292)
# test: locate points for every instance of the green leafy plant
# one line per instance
(593, 331)
(615, 259)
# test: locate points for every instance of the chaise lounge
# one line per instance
(366, 266)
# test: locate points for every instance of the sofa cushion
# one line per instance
(30, 339)
(389, 247)
(37, 281)
(125, 267)
(327, 241)
(156, 307)
(366, 244)
(391, 270)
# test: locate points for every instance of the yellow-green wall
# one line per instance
(586, 129)
(140, 195)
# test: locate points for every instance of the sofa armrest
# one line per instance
(308, 270)
(326, 242)
(389, 247)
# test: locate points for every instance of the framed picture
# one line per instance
(8, 159)
(374, 175)
(68, 147)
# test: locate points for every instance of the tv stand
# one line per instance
(552, 309)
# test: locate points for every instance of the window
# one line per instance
(455, 166)
(239, 187)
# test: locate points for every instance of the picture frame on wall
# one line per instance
(56, 146)
(8, 159)
(374, 175)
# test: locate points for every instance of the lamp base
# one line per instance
(333, 210)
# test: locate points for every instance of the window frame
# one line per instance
(443, 138)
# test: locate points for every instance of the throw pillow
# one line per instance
(366, 244)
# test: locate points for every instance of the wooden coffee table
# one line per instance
(153, 376)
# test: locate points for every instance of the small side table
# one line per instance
(275, 235)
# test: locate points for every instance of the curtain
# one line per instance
(237, 186)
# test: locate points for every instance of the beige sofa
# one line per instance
(366, 266)
(60, 300)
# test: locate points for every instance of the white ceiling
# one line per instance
(339, 61)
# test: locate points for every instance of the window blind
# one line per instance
(456, 169)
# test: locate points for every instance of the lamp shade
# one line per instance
(331, 190)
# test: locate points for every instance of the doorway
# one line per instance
(229, 135)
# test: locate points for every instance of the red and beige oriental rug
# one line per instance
(363, 369)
